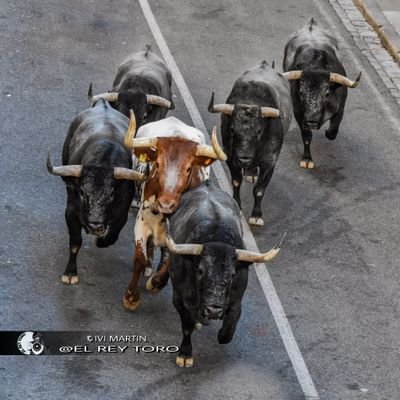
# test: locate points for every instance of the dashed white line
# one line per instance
(270, 293)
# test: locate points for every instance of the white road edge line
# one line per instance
(270, 293)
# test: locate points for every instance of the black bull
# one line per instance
(209, 267)
(142, 84)
(318, 83)
(98, 178)
(253, 124)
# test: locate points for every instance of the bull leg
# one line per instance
(306, 161)
(334, 123)
(237, 177)
(258, 193)
(131, 299)
(231, 318)
(70, 276)
(158, 280)
(150, 255)
(184, 358)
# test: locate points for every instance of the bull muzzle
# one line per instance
(245, 161)
(212, 312)
(312, 124)
(167, 206)
(96, 228)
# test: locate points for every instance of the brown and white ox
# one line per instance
(179, 160)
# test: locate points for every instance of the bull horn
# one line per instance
(293, 75)
(183, 249)
(158, 101)
(109, 96)
(249, 256)
(65, 170)
(215, 151)
(342, 80)
(220, 108)
(128, 174)
(269, 112)
(131, 132)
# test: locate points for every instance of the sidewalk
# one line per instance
(367, 38)
(387, 13)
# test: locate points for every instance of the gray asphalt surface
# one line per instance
(337, 275)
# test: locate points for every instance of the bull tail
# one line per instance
(311, 23)
(148, 48)
(273, 64)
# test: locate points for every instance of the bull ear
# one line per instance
(145, 154)
(203, 161)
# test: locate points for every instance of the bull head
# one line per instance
(176, 165)
(112, 97)
(333, 77)
(267, 112)
(119, 172)
(241, 255)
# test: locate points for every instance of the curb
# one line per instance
(386, 42)
(369, 43)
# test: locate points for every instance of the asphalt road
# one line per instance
(337, 275)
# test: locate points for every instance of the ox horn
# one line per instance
(269, 112)
(144, 142)
(293, 75)
(215, 151)
(158, 101)
(65, 170)
(128, 174)
(183, 249)
(249, 256)
(131, 132)
(342, 80)
(220, 108)
(109, 96)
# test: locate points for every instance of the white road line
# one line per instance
(270, 293)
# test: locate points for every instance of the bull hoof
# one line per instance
(131, 301)
(70, 279)
(251, 178)
(154, 284)
(198, 326)
(150, 287)
(256, 221)
(182, 361)
(307, 164)
(135, 204)
(147, 271)
(331, 135)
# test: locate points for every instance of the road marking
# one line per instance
(270, 293)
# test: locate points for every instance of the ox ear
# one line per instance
(145, 154)
(202, 161)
